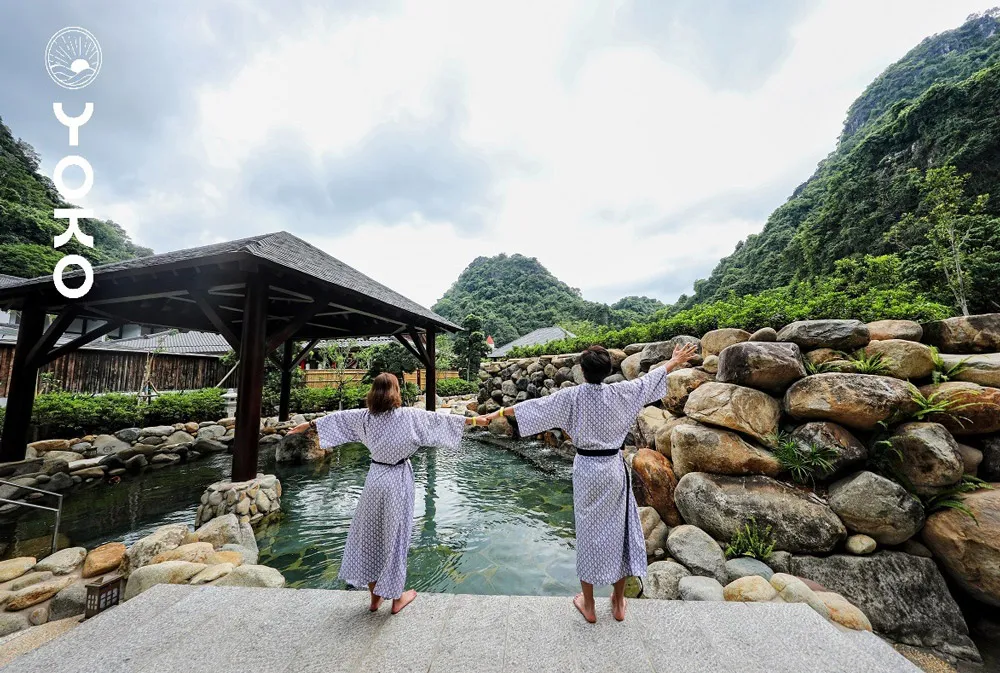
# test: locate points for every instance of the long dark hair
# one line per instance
(384, 394)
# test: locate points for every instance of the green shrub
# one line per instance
(456, 386)
(943, 373)
(951, 497)
(197, 405)
(3, 413)
(804, 462)
(752, 541)
(315, 400)
(862, 363)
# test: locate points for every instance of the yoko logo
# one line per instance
(73, 58)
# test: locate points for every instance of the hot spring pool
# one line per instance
(487, 521)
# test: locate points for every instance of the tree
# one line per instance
(947, 220)
(336, 354)
(391, 357)
(470, 346)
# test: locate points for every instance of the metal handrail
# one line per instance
(57, 509)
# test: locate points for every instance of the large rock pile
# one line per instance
(882, 424)
(222, 552)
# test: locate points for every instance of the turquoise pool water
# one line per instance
(487, 521)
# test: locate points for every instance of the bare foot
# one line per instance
(376, 602)
(618, 608)
(588, 613)
(404, 600)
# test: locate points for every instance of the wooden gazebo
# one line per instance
(262, 294)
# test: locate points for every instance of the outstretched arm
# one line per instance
(540, 414)
(653, 386)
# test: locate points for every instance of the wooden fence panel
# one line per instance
(99, 371)
(331, 378)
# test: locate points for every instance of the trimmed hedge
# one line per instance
(314, 400)
(72, 414)
(446, 387)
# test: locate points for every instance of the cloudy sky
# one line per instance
(627, 144)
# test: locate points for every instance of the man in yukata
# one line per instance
(597, 416)
(379, 537)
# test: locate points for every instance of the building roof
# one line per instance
(540, 336)
(6, 280)
(168, 343)
(158, 290)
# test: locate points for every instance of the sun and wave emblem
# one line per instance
(73, 58)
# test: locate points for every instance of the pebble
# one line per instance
(860, 544)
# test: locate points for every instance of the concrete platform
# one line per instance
(223, 629)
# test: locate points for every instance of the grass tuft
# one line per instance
(753, 541)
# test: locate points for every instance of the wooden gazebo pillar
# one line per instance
(286, 380)
(21, 391)
(431, 388)
(253, 346)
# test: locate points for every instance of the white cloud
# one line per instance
(629, 132)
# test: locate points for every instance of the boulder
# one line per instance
(178, 437)
(860, 544)
(169, 572)
(971, 458)
(711, 364)
(104, 559)
(969, 549)
(193, 552)
(663, 435)
(846, 450)
(663, 580)
(965, 334)
(63, 561)
(106, 445)
(162, 539)
(36, 593)
(714, 342)
(211, 573)
(248, 556)
(654, 531)
(989, 468)
(883, 330)
(821, 356)
(771, 367)
(47, 445)
(764, 334)
(859, 401)
(128, 435)
(631, 368)
(69, 602)
(842, 612)
(699, 448)
(301, 447)
(649, 422)
(253, 576)
(220, 531)
(653, 483)
(700, 589)
(975, 410)
(981, 369)
(136, 463)
(680, 383)
(661, 351)
(632, 349)
(697, 551)
(734, 407)
(28, 579)
(204, 445)
(871, 504)
(233, 558)
(721, 505)
(12, 622)
(903, 359)
(744, 566)
(68, 456)
(750, 589)
(157, 431)
(930, 456)
(905, 597)
(792, 589)
(844, 335)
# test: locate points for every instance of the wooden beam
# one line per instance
(297, 323)
(213, 317)
(304, 352)
(21, 389)
(51, 335)
(251, 383)
(431, 390)
(285, 394)
(419, 345)
(82, 340)
(408, 346)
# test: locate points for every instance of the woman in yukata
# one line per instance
(597, 416)
(379, 537)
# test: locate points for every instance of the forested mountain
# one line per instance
(515, 294)
(935, 107)
(27, 226)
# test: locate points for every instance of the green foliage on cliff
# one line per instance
(514, 295)
(27, 226)
(871, 288)
(935, 107)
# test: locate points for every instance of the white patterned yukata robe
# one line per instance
(379, 537)
(597, 416)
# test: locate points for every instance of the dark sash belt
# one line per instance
(598, 452)
(378, 462)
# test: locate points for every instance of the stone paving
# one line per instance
(187, 629)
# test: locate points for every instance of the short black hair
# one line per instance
(596, 364)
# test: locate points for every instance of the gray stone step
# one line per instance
(208, 629)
